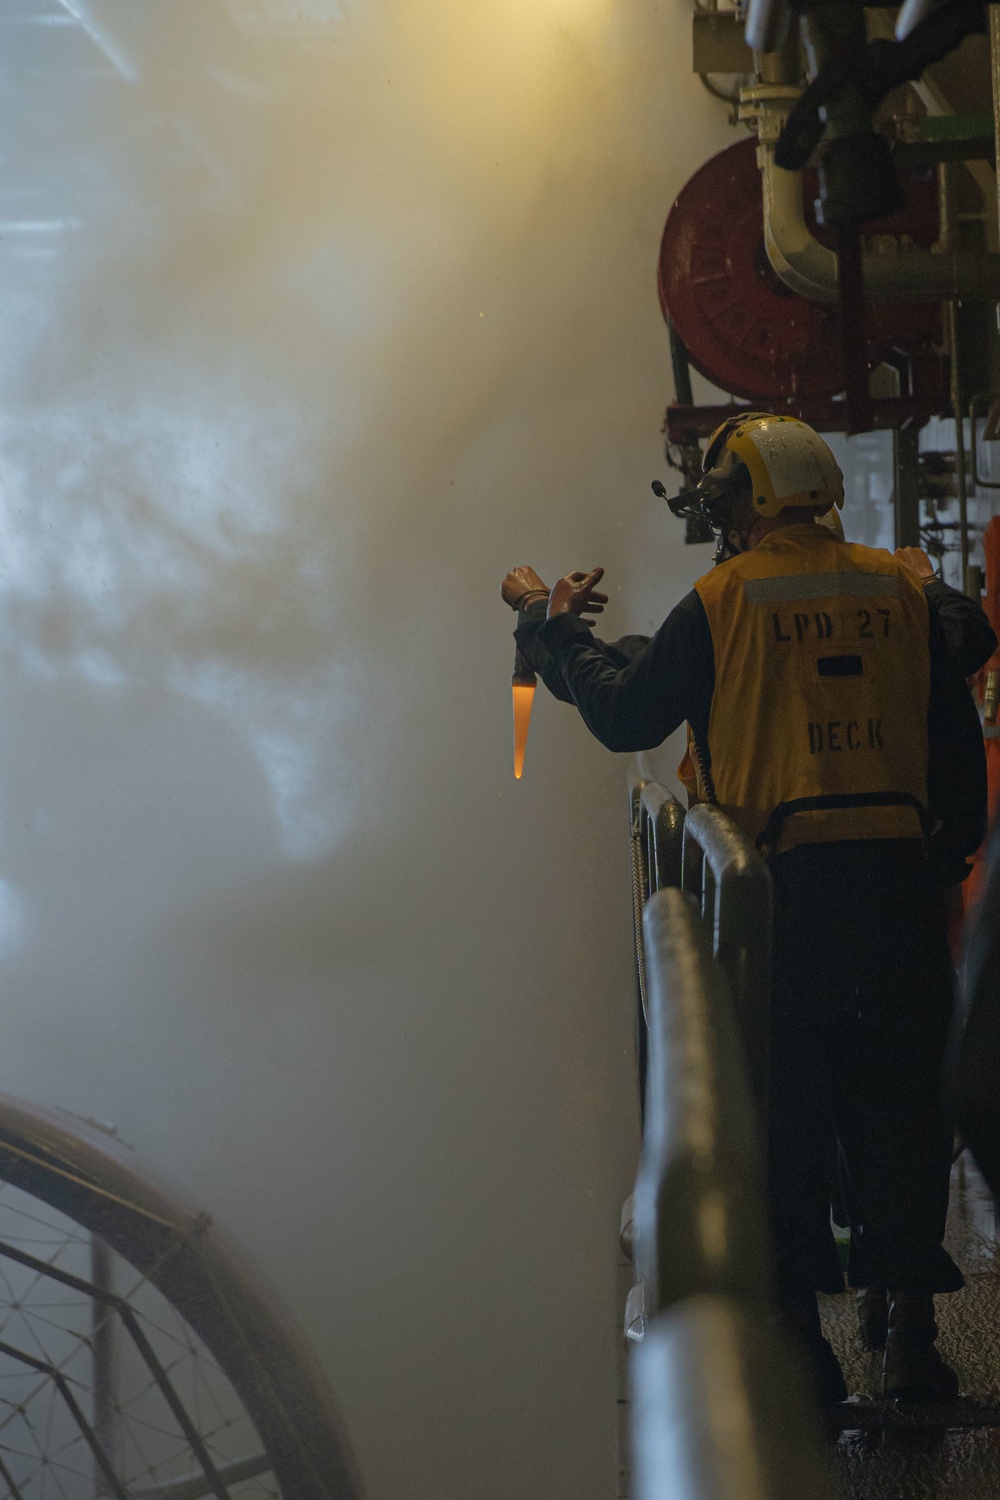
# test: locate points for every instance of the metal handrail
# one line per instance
(699, 1194)
(732, 884)
(656, 825)
(703, 852)
(719, 1412)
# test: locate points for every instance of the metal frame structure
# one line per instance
(178, 1251)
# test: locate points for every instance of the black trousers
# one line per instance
(862, 1001)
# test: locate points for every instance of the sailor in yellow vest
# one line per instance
(832, 722)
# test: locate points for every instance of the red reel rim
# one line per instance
(744, 330)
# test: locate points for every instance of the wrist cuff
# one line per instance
(558, 628)
(530, 596)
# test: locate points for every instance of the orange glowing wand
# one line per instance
(523, 690)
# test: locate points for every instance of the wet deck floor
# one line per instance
(889, 1452)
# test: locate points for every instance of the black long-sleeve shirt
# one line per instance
(633, 692)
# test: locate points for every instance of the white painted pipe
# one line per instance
(810, 269)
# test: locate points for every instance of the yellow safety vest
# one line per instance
(818, 723)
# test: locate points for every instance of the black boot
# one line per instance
(800, 1314)
(873, 1316)
(912, 1369)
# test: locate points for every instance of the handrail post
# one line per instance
(656, 827)
(665, 821)
(693, 869)
(640, 878)
(723, 870)
(640, 895)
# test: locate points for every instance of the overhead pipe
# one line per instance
(768, 23)
(812, 270)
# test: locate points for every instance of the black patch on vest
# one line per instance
(840, 666)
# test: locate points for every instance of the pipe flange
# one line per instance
(767, 106)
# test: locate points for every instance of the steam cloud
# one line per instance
(316, 317)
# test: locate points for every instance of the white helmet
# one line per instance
(788, 462)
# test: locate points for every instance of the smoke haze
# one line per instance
(315, 318)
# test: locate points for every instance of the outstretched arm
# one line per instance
(631, 700)
(525, 590)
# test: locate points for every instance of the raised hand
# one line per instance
(577, 594)
(917, 561)
(519, 583)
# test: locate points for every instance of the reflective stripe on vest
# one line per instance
(822, 678)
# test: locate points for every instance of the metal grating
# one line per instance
(104, 1388)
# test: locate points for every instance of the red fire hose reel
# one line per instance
(747, 332)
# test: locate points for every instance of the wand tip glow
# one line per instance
(524, 695)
